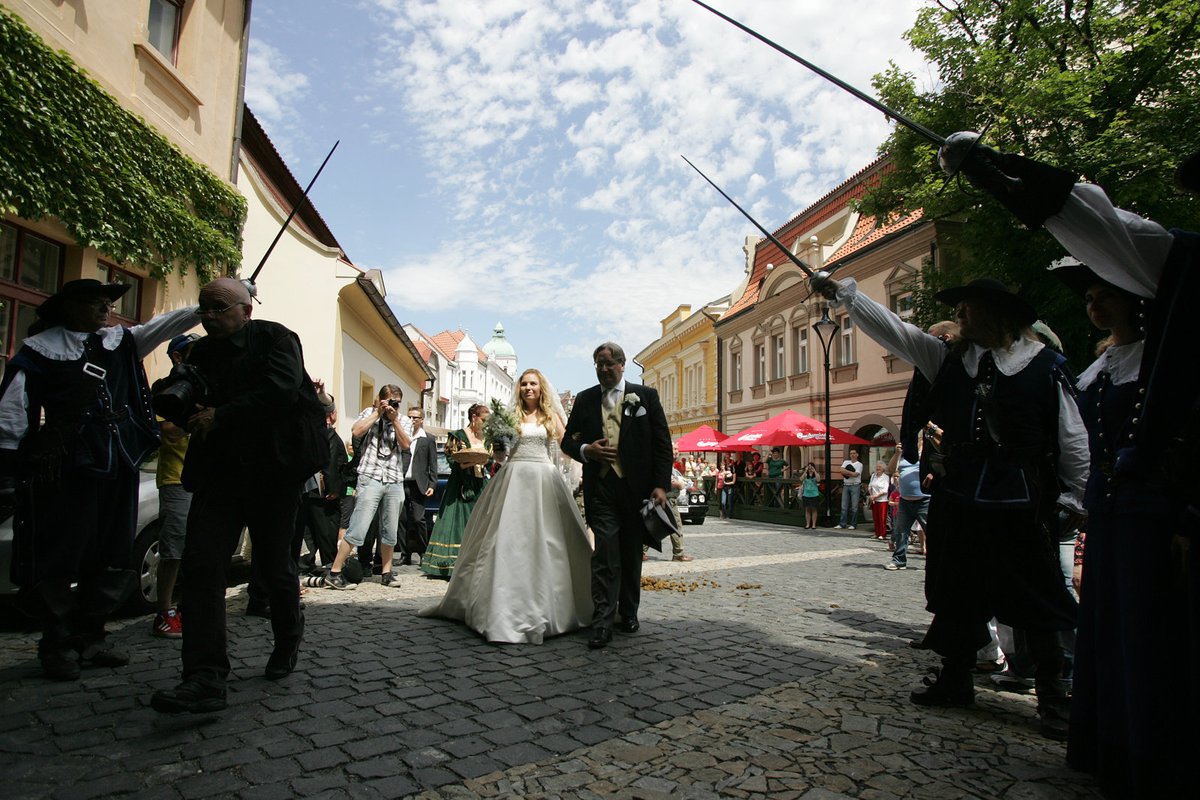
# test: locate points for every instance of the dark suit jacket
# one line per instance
(644, 447)
(425, 469)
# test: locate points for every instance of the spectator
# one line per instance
(173, 504)
(777, 470)
(75, 423)
(385, 431)
(458, 498)
(810, 496)
(420, 481)
(912, 507)
(728, 487)
(877, 492)
(255, 439)
(851, 473)
(679, 483)
(321, 504)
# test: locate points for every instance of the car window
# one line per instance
(443, 463)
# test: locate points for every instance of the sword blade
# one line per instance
(295, 208)
(794, 259)
(912, 125)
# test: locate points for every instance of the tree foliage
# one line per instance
(68, 150)
(1108, 89)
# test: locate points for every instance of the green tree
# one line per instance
(1108, 89)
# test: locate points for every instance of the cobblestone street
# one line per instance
(777, 664)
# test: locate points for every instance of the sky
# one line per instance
(518, 161)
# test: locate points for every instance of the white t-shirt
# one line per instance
(857, 467)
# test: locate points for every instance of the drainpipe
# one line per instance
(241, 96)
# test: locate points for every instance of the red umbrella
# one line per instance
(702, 440)
(788, 428)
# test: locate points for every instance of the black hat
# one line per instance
(660, 523)
(1076, 275)
(1187, 175)
(995, 294)
(51, 309)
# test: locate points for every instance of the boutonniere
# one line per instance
(632, 405)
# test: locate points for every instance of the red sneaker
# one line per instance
(167, 626)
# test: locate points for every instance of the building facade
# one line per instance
(466, 373)
(682, 365)
(164, 69)
(772, 358)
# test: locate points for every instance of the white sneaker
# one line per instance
(839, 527)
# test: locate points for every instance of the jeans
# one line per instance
(850, 505)
(727, 501)
(907, 512)
(369, 496)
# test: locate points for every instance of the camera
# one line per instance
(394, 403)
(176, 396)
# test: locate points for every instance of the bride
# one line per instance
(524, 568)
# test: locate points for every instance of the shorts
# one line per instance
(174, 502)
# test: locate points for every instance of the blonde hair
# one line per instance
(546, 414)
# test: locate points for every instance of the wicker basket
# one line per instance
(471, 457)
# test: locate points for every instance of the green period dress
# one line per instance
(462, 489)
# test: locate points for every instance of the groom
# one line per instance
(619, 432)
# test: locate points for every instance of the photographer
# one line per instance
(384, 431)
(257, 433)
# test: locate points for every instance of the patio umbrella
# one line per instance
(789, 428)
(702, 440)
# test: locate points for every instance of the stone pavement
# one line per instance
(774, 665)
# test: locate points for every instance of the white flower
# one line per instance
(631, 400)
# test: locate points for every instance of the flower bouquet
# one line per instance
(500, 430)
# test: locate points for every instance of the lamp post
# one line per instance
(827, 329)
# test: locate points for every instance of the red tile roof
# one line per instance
(865, 232)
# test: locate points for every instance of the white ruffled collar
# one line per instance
(60, 344)
(1009, 361)
(1122, 362)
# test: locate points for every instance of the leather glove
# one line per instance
(1031, 190)
(820, 283)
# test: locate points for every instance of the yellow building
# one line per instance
(682, 365)
(119, 163)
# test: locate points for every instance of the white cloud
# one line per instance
(272, 89)
(552, 129)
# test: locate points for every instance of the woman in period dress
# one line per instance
(462, 490)
(524, 569)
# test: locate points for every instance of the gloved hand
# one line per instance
(1031, 190)
(250, 287)
(820, 283)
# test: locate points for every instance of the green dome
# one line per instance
(498, 346)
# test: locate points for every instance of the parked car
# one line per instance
(433, 503)
(143, 557)
(692, 505)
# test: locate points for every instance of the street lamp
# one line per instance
(827, 329)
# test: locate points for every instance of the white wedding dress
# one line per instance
(524, 568)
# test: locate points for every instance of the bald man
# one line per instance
(243, 470)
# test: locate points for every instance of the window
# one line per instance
(902, 305)
(760, 364)
(845, 343)
(30, 271)
(799, 351)
(735, 371)
(163, 27)
(130, 303)
(779, 368)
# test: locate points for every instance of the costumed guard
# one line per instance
(1136, 698)
(74, 477)
(1014, 449)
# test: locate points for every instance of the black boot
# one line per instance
(57, 650)
(1054, 707)
(953, 687)
(99, 596)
